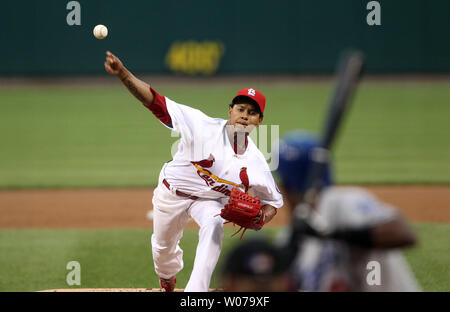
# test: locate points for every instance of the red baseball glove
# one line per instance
(244, 210)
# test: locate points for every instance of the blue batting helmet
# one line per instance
(295, 160)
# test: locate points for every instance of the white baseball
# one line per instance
(100, 31)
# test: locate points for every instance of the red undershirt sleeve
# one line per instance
(159, 108)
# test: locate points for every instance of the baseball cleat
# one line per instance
(167, 285)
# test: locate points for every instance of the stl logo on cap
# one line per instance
(255, 95)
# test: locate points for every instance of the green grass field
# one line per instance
(34, 260)
(101, 136)
(93, 136)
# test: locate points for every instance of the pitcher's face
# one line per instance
(244, 117)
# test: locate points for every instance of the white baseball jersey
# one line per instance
(206, 165)
(332, 265)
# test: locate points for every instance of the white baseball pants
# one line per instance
(170, 215)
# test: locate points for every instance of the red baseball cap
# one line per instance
(255, 95)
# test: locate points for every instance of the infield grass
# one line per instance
(93, 136)
(32, 260)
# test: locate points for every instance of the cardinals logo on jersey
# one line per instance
(205, 174)
(205, 163)
(210, 179)
(244, 178)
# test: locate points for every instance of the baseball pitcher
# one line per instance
(217, 174)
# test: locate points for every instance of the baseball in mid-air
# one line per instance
(100, 31)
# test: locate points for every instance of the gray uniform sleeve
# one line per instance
(345, 208)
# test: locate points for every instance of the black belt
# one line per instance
(179, 193)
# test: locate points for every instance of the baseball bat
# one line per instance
(348, 73)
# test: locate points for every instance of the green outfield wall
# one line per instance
(206, 37)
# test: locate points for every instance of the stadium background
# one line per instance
(79, 156)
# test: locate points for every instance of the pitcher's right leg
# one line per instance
(169, 220)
